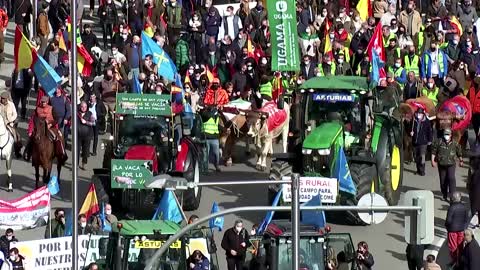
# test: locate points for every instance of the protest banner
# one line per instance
(282, 19)
(26, 212)
(310, 187)
(131, 174)
(56, 253)
(147, 104)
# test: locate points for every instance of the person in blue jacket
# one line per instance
(198, 261)
(434, 64)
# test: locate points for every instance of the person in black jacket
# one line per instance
(458, 218)
(364, 259)
(470, 254)
(22, 12)
(109, 17)
(422, 136)
(415, 256)
(235, 242)
(85, 132)
(473, 184)
(21, 85)
(5, 241)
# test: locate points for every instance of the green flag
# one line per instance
(284, 37)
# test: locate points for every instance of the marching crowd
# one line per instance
(431, 50)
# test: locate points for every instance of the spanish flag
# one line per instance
(84, 61)
(328, 46)
(187, 78)
(456, 25)
(250, 48)
(364, 9)
(90, 205)
(209, 74)
(22, 51)
(61, 41)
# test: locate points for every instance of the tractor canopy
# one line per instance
(335, 83)
(131, 228)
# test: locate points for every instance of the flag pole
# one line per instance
(74, 77)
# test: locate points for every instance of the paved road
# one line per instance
(385, 240)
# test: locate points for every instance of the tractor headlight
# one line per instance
(307, 151)
(144, 238)
(324, 152)
(136, 238)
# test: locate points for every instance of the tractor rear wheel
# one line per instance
(191, 197)
(363, 175)
(392, 176)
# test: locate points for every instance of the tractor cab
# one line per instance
(148, 140)
(317, 247)
(134, 242)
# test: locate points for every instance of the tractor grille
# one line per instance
(315, 164)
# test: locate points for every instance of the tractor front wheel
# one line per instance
(191, 197)
(392, 176)
(363, 175)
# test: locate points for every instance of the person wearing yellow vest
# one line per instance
(387, 35)
(265, 88)
(327, 68)
(211, 130)
(431, 91)
(411, 61)
(399, 72)
(434, 64)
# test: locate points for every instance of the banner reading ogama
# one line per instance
(282, 20)
(26, 212)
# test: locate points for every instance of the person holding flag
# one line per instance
(102, 223)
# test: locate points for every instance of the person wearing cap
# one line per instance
(9, 114)
(235, 242)
(430, 91)
(422, 135)
(444, 154)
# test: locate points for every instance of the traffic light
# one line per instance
(419, 226)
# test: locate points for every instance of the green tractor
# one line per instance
(147, 141)
(330, 114)
(317, 248)
(133, 242)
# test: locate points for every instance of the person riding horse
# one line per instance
(9, 114)
(44, 111)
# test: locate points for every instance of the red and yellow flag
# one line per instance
(364, 9)
(84, 61)
(61, 41)
(209, 74)
(456, 24)
(90, 205)
(250, 48)
(22, 51)
(328, 46)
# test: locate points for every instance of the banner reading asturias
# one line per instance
(282, 20)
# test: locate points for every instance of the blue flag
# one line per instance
(106, 227)
(137, 88)
(269, 216)
(68, 223)
(46, 75)
(343, 174)
(377, 64)
(53, 186)
(218, 221)
(168, 208)
(314, 217)
(166, 67)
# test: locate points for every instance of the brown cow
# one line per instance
(234, 130)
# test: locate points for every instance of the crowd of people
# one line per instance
(431, 50)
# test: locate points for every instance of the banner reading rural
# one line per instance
(26, 212)
(282, 20)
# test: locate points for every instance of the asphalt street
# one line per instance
(385, 240)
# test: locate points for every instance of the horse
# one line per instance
(44, 151)
(234, 130)
(6, 150)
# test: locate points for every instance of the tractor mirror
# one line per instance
(280, 103)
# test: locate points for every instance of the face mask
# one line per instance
(430, 85)
(13, 258)
(461, 66)
(83, 224)
(306, 62)
(187, 90)
(211, 53)
(238, 228)
(190, 71)
(159, 43)
(397, 65)
(332, 36)
(223, 62)
(124, 36)
(318, 74)
(300, 81)
(174, 4)
(252, 232)
(341, 15)
(264, 61)
(114, 51)
(340, 61)
(357, 19)
(455, 41)
(9, 238)
(108, 212)
(109, 1)
(329, 63)
(420, 116)
(249, 67)
(469, 44)
(447, 137)
(307, 31)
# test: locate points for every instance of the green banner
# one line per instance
(130, 174)
(282, 19)
(143, 104)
